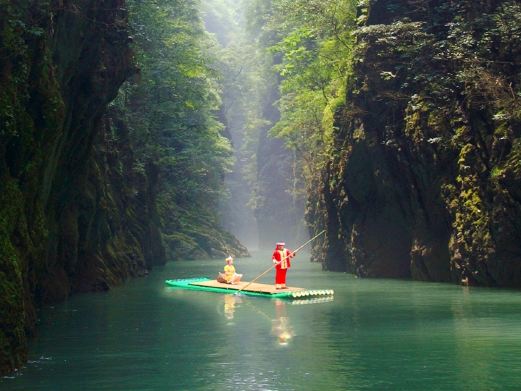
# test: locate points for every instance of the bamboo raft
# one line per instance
(252, 289)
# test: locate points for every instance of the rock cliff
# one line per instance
(63, 223)
(76, 212)
(425, 178)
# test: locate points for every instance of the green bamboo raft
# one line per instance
(251, 289)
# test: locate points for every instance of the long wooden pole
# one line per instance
(272, 266)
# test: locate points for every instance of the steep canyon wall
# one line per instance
(68, 220)
(425, 178)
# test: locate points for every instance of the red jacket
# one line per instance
(284, 256)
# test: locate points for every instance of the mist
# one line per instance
(265, 201)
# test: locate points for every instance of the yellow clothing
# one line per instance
(229, 272)
(283, 258)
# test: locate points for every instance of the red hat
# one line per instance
(280, 244)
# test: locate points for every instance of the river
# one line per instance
(374, 335)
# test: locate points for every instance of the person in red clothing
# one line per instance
(281, 258)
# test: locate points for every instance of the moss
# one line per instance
(179, 245)
(413, 127)
(513, 162)
(497, 172)
(502, 130)
(471, 241)
(424, 122)
(359, 134)
(12, 333)
(510, 168)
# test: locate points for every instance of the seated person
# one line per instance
(229, 276)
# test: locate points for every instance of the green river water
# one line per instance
(374, 335)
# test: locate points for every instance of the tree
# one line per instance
(172, 109)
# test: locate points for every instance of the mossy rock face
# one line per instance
(58, 72)
(13, 342)
(200, 239)
(75, 213)
(424, 179)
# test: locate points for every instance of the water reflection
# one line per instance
(312, 300)
(281, 327)
(230, 302)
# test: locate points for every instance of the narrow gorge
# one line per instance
(139, 133)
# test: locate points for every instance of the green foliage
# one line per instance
(13, 48)
(171, 108)
(478, 54)
(314, 43)
(513, 161)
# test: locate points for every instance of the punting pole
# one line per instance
(272, 266)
